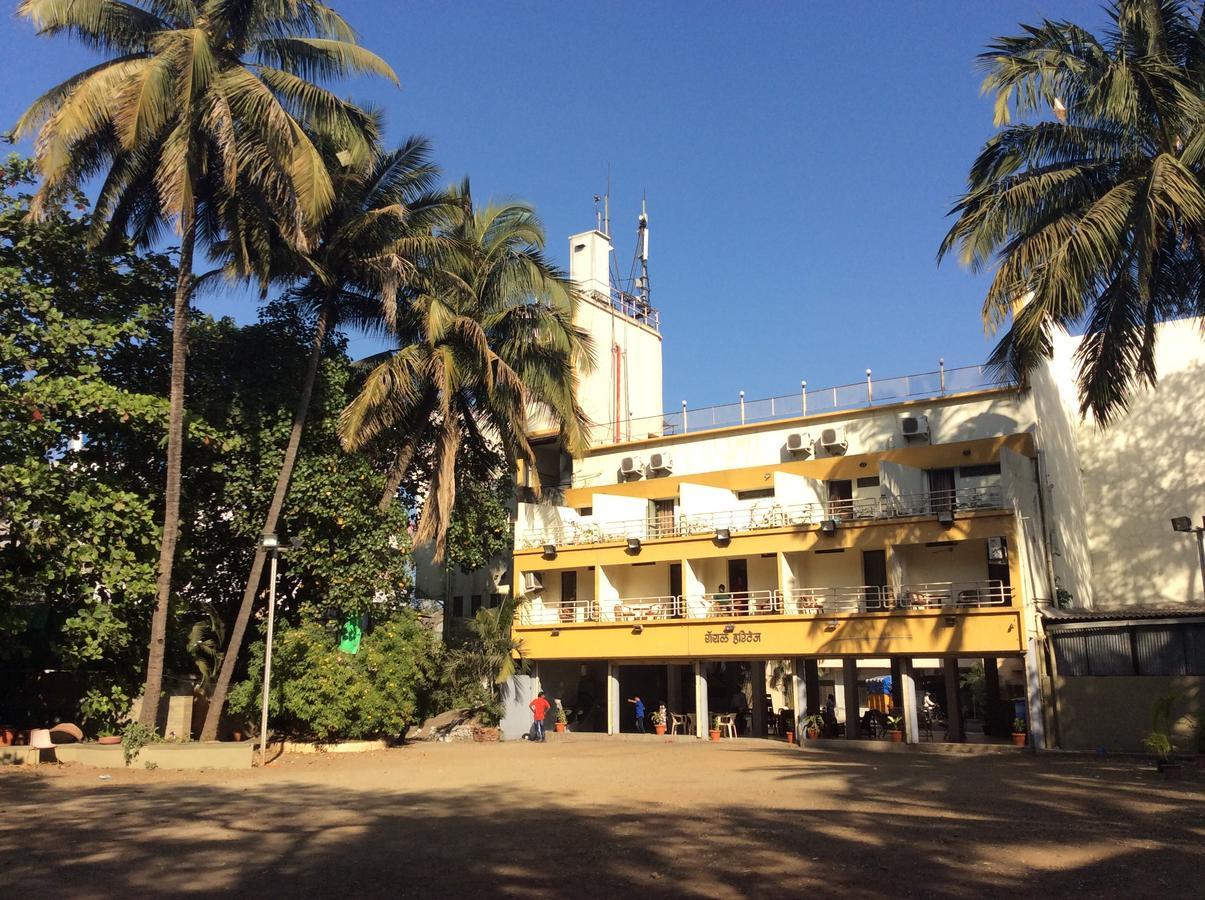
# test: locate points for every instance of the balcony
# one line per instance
(943, 596)
(762, 517)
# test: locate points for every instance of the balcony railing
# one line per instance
(760, 517)
(950, 596)
(871, 392)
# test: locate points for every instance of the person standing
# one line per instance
(539, 709)
(639, 704)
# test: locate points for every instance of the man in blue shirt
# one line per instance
(639, 712)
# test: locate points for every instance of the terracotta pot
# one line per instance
(560, 727)
(109, 740)
(1019, 738)
(790, 737)
(897, 737)
(813, 734)
(660, 729)
(8, 734)
(236, 735)
(714, 734)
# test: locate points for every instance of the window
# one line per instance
(756, 494)
(584, 511)
(495, 600)
(476, 600)
(458, 607)
(868, 481)
(980, 471)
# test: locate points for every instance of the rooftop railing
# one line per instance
(759, 517)
(947, 596)
(863, 394)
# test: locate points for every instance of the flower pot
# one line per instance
(8, 735)
(236, 735)
(1019, 738)
(897, 737)
(1173, 770)
(560, 727)
(109, 740)
(790, 737)
(660, 729)
(714, 734)
(813, 734)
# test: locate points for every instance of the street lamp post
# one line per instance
(1184, 524)
(270, 543)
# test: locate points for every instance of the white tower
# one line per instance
(622, 396)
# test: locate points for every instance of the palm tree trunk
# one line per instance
(217, 702)
(171, 495)
(397, 471)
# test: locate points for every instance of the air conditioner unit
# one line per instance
(661, 463)
(799, 443)
(631, 467)
(532, 582)
(914, 426)
(834, 440)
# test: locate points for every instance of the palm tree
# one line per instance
(491, 344)
(362, 257)
(196, 102)
(1096, 217)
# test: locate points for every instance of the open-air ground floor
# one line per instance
(587, 816)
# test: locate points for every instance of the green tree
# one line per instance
(368, 245)
(196, 106)
(488, 338)
(484, 658)
(1097, 216)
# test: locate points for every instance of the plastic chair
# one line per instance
(678, 720)
(727, 724)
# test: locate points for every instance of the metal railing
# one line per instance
(949, 596)
(759, 517)
(870, 392)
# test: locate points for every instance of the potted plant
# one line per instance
(1020, 729)
(562, 721)
(790, 736)
(813, 726)
(714, 733)
(895, 729)
(1159, 740)
(658, 720)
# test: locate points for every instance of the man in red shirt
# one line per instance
(539, 709)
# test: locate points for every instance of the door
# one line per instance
(874, 576)
(664, 514)
(568, 596)
(997, 569)
(840, 499)
(675, 587)
(941, 490)
(738, 584)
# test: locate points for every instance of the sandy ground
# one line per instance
(586, 817)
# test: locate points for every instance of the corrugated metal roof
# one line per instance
(1122, 614)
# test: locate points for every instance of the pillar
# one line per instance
(811, 681)
(897, 687)
(701, 722)
(757, 687)
(908, 692)
(673, 689)
(799, 696)
(955, 733)
(612, 698)
(1033, 695)
(849, 678)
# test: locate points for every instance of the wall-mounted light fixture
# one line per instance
(633, 545)
(723, 535)
(951, 621)
(945, 518)
(829, 526)
(556, 632)
(831, 625)
(637, 629)
(549, 551)
(728, 629)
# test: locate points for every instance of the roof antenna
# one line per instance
(607, 205)
(643, 248)
(597, 214)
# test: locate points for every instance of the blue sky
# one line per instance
(799, 159)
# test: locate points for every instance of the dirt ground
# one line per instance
(590, 817)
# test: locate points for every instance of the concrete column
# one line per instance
(799, 698)
(908, 690)
(612, 698)
(757, 678)
(701, 721)
(897, 687)
(1033, 694)
(811, 680)
(673, 689)
(849, 678)
(955, 733)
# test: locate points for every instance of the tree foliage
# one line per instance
(1095, 215)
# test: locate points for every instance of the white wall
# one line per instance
(822, 570)
(639, 581)
(797, 490)
(962, 561)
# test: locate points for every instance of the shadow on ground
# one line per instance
(786, 822)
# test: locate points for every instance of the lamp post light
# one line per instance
(271, 543)
(1184, 524)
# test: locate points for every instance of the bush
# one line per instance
(320, 692)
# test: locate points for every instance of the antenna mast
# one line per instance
(642, 243)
